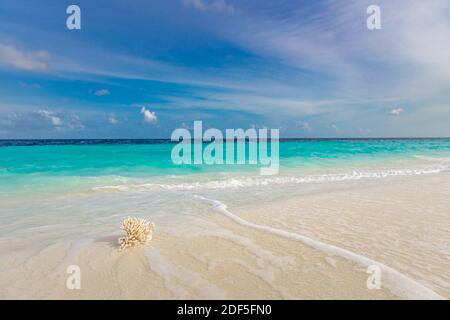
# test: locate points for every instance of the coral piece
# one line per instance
(139, 231)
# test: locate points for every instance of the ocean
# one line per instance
(45, 165)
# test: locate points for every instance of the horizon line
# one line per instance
(169, 139)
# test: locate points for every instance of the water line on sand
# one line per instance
(398, 283)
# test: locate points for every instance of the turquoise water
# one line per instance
(62, 164)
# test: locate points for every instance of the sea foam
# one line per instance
(260, 181)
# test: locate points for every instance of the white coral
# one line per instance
(139, 231)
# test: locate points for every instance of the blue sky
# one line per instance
(140, 69)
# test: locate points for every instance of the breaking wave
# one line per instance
(261, 181)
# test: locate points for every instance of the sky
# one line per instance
(141, 69)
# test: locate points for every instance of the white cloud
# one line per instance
(149, 116)
(30, 121)
(210, 5)
(335, 127)
(102, 92)
(75, 123)
(306, 126)
(396, 111)
(56, 121)
(31, 61)
(112, 119)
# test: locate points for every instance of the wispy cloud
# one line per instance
(210, 5)
(335, 127)
(74, 122)
(112, 119)
(396, 111)
(31, 61)
(55, 120)
(335, 42)
(30, 85)
(102, 92)
(62, 120)
(306, 126)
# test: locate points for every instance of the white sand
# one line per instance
(404, 226)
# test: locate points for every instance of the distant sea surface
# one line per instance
(31, 165)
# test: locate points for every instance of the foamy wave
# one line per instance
(398, 283)
(259, 181)
(112, 188)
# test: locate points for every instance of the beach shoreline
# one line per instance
(218, 258)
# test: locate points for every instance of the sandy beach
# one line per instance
(308, 252)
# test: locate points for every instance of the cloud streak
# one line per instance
(102, 92)
(56, 121)
(396, 111)
(210, 5)
(18, 59)
(112, 119)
